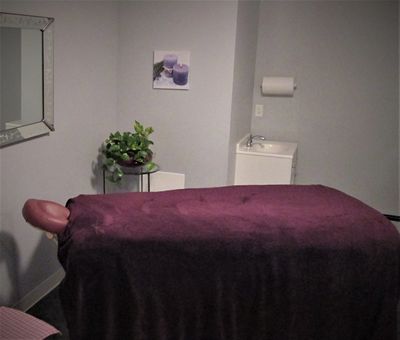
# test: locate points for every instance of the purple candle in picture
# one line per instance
(180, 74)
(170, 60)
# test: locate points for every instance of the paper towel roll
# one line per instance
(278, 86)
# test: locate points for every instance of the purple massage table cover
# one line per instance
(231, 263)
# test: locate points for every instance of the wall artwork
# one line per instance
(171, 70)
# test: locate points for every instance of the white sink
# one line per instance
(265, 162)
(267, 147)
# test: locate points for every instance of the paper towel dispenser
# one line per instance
(278, 86)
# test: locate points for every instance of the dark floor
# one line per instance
(49, 310)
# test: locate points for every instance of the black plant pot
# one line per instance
(131, 162)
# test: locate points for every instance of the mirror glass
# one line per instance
(26, 73)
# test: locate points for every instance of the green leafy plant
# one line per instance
(127, 149)
(157, 69)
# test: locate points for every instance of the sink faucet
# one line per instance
(249, 142)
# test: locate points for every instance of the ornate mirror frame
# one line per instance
(45, 25)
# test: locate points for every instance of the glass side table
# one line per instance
(140, 170)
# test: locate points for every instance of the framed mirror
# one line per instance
(26, 74)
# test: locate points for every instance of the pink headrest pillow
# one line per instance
(46, 215)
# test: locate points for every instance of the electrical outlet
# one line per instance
(259, 110)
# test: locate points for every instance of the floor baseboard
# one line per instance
(40, 291)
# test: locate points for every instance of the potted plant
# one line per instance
(127, 149)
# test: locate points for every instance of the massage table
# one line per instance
(295, 262)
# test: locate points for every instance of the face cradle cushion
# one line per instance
(46, 215)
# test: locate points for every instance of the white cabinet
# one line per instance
(265, 162)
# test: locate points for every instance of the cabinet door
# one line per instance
(252, 169)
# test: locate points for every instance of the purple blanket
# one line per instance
(231, 263)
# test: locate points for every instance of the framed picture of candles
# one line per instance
(171, 70)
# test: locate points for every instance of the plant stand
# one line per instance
(140, 171)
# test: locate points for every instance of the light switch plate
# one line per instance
(259, 110)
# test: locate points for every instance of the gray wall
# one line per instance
(191, 127)
(243, 77)
(58, 166)
(344, 114)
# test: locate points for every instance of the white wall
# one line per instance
(243, 77)
(58, 166)
(344, 114)
(191, 127)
